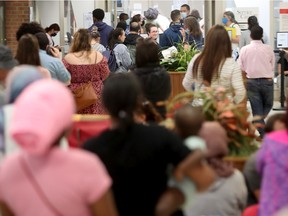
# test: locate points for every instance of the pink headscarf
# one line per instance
(216, 140)
(42, 112)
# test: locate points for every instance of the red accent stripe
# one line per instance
(284, 11)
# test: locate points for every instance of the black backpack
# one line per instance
(111, 57)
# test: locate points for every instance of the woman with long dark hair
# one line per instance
(28, 53)
(194, 33)
(115, 43)
(215, 67)
(136, 155)
(52, 31)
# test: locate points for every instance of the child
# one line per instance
(188, 122)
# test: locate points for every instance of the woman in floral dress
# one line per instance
(86, 65)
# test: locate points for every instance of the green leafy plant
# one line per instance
(179, 60)
(217, 106)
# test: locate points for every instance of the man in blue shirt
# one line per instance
(53, 64)
(103, 28)
(172, 35)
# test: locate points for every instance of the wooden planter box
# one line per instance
(238, 162)
(176, 83)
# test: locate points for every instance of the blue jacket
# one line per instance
(197, 41)
(104, 31)
(171, 36)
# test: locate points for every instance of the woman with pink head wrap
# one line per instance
(228, 195)
(43, 179)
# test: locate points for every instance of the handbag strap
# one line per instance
(38, 188)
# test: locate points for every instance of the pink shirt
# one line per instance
(257, 60)
(71, 179)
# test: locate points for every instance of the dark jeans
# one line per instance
(260, 94)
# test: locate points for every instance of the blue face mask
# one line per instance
(127, 22)
(187, 31)
(224, 20)
(183, 15)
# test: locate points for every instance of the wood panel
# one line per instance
(176, 83)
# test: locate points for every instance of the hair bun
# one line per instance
(94, 29)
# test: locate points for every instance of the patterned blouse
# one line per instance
(96, 73)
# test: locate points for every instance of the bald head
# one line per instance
(134, 27)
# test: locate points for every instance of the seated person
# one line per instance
(228, 195)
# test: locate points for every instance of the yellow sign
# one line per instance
(231, 32)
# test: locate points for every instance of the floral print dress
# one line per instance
(95, 73)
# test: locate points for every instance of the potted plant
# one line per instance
(217, 106)
(176, 64)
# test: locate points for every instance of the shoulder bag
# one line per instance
(85, 95)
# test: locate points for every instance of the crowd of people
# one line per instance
(137, 166)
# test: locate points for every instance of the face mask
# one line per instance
(53, 35)
(127, 22)
(187, 31)
(224, 20)
(183, 15)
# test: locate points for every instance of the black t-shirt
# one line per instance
(285, 64)
(137, 163)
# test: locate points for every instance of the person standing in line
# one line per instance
(139, 19)
(116, 40)
(86, 65)
(95, 40)
(28, 53)
(125, 17)
(245, 36)
(52, 31)
(29, 28)
(214, 67)
(151, 16)
(229, 21)
(50, 60)
(172, 36)
(185, 11)
(103, 28)
(194, 35)
(257, 63)
(137, 156)
(131, 39)
(7, 63)
(153, 34)
(195, 13)
(53, 181)
(271, 161)
(154, 79)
